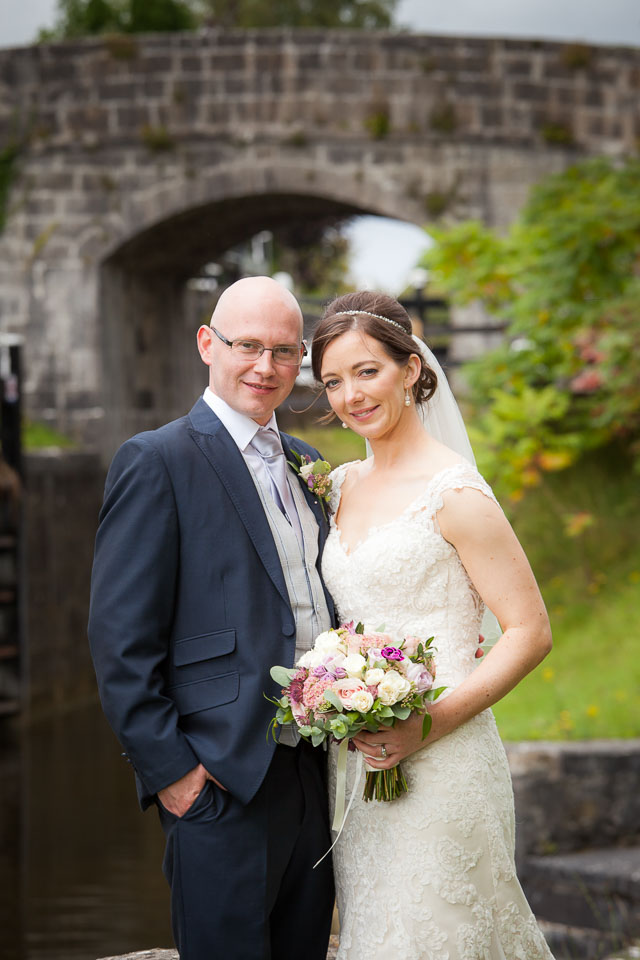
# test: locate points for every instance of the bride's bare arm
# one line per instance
(500, 571)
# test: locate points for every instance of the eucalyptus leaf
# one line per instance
(282, 675)
(333, 699)
(402, 712)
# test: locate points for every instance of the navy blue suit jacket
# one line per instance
(189, 607)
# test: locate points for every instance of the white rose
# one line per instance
(362, 701)
(306, 470)
(373, 677)
(311, 659)
(328, 642)
(354, 664)
(393, 688)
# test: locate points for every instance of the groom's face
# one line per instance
(254, 387)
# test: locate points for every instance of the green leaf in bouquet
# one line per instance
(434, 694)
(339, 727)
(401, 712)
(317, 738)
(372, 724)
(360, 628)
(353, 716)
(282, 675)
(320, 467)
(426, 725)
(333, 699)
(305, 730)
(387, 721)
(384, 711)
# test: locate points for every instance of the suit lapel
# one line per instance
(228, 463)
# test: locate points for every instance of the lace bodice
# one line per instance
(422, 588)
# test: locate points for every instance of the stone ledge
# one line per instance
(159, 954)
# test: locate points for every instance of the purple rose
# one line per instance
(418, 674)
(319, 671)
(339, 673)
(392, 653)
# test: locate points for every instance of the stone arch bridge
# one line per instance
(128, 162)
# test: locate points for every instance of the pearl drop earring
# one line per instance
(344, 426)
(407, 399)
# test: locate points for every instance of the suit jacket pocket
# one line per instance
(205, 646)
(202, 694)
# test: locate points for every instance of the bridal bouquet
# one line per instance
(352, 680)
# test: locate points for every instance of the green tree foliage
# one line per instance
(566, 281)
(77, 18)
(315, 254)
(359, 14)
(80, 18)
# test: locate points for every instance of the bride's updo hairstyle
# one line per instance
(380, 317)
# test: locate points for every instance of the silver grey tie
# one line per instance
(268, 445)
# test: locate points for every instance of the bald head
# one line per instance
(261, 310)
(255, 297)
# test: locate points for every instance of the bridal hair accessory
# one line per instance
(366, 313)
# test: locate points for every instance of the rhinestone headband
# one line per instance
(377, 316)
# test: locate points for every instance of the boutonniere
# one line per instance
(315, 476)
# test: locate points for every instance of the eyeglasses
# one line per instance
(288, 354)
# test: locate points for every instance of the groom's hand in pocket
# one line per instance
(179, 796)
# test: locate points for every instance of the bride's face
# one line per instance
(365, 387)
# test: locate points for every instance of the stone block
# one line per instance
(573, 792)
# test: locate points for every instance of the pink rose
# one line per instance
(345, 690)
(410, 646)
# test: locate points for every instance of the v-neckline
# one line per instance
(375, 528)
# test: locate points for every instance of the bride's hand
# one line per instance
(399, 741)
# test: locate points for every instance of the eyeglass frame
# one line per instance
(229, 343)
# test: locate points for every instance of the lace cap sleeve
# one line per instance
(458, 477)
(337, 479)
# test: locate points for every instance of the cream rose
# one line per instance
(310, 659)
(306, 470)
(355, 665)
(362, 701)
(373, 677)
(393, 688)
(328, 642)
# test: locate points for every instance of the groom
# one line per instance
(205, 575)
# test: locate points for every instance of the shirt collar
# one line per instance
(241, 428)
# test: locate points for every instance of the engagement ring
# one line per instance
(383, 751)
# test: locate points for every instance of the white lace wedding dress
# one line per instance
(429, 876)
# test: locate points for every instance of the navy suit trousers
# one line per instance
(242, 881)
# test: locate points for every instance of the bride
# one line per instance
(418, 543)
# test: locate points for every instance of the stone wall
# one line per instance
(141, 158)
(573, 795)
(63, 497)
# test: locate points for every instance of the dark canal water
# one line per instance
(80, 865)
